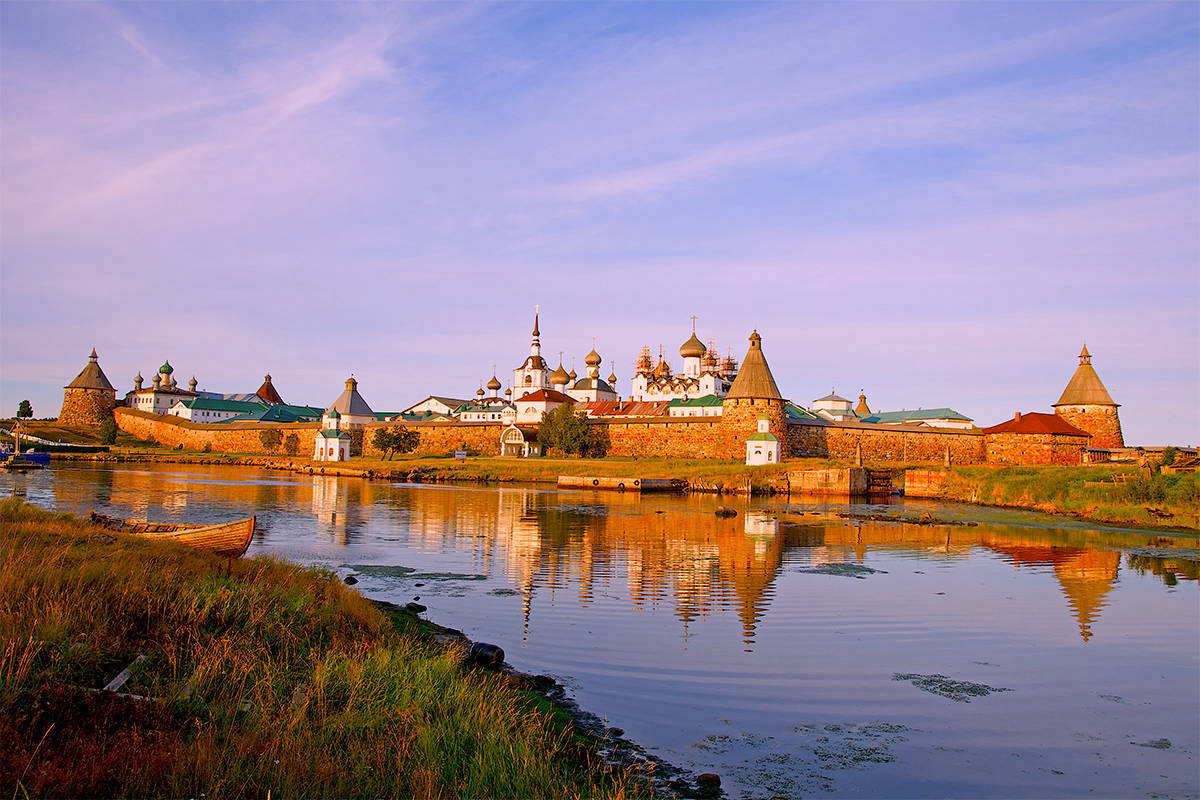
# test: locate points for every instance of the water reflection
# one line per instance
(689, 627)
(666, 550)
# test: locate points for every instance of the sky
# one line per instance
(937, 204)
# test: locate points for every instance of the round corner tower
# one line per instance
(753, 396)
(90, 398)
(1086, 404)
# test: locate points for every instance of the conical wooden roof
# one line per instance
(92, 376)
(754, 379)
(1085, 388)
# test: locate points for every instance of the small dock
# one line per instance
(607, 484)
(845, 482)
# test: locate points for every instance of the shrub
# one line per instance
(108, 432)
(1169, 455)
(564, 430)
(271, 439)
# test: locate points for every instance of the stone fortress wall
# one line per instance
(721, 437)
(228, 437)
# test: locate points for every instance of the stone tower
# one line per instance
(753, 396)
(90, 398)
(1086, 404)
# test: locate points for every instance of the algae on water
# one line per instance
(844, 570)
(959, 691)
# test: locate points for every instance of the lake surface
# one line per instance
(790, 650)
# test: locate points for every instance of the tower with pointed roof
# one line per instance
(754, 397)
(268, 393)
(353, 414)
(534, 372)
(1086, 404)
(90, 398)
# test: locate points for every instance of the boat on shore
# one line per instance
(230, 539)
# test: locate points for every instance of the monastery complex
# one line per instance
(712, 407)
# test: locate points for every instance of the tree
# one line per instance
(108, 431)
(271, 439)
(24, 410)
(291, 445)
(396, 439)
(564, 430)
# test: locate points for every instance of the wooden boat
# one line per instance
(230, 539)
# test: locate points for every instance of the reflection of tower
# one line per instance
(1085, 576)
(1085, 579)
(329, 506)
(519, 531)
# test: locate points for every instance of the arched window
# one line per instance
(529, 380)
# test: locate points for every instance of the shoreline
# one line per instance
(722, 478)
(303, 656)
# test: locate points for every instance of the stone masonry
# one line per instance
(87, 406)
(1102, 422)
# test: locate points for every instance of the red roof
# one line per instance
(1036, 422)
(612, 408)
(546, 396)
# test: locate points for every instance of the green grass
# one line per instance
(72, 434)
(272, 680)
(1085, 491)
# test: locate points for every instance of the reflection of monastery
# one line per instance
(711, 406)
(689, 560)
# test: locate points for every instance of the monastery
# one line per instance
(712, 407)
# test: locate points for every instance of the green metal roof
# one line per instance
(695, 402)
(918, 414)
(214, 404)
(763, 437)
(796, 412)
(334, 435)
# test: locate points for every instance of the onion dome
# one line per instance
(592, 359)
(479, 392)
(494, 383)
(192, 384)
(508, 392)
(693, 348)
(571, 375)
(166, 368)
(612, 377)
(559, 377)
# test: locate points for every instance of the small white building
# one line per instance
(835, 408)
(434, 404)
(531, 407)
(521, 442)
(331, 442)
(707, 406)
(762, 447)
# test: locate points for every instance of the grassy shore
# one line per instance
(1160, 501)
(272, 680)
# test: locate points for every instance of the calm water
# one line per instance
(766, 647)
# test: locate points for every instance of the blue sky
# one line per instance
(936, 203)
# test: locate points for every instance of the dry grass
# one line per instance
(1086, 491)
(272, 680)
